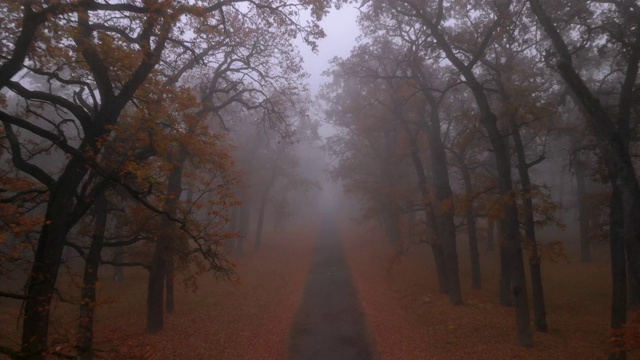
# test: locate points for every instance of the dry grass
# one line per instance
(222, 320)
(409, 319)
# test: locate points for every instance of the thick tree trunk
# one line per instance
(539, 311)
(583, 210)
(40, 286)
(90, 278)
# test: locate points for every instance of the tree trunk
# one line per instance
(539, 311)
(90, 278)
(441, 270)
(612, 136)
(445, 207)
(118, 252)
(40, 286)
(245, 222)
(618, 270)
(162, 265)
(505, 186)
(430, 219)
(472, 233)
(505, 269)
(491, 225)
(263, 206)
(169, 278)
(583, 210)
(155, 288)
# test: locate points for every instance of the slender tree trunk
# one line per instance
(583, 211)
(441, 270)
(118, 271)
(618, 269)
(169, 278)
(161, 271)
(505, 269)
(472, 232)
(118, 252)
(234, 226)
(444, 196)
(491, 225)
(391, 225)
(539, 311)
(90, 279)
(430, 219)
(263, 206)
(245, 214)
(155, 288)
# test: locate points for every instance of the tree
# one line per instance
(614, 23)
(88, 68)
(464, 58)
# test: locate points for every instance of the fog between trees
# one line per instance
(172, 135)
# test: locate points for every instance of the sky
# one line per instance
(341, 29)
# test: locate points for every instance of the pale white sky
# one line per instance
(341, 29)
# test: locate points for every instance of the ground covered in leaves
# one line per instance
(247, 319)
(409, 319)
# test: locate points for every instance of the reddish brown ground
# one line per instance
(409, 319)
(221, 320)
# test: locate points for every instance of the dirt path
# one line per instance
(329, 323)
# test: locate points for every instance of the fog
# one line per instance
(319, 179)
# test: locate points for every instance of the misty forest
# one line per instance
(460, 183)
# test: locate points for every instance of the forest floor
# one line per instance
(245, 319)
(410, 319)
(396, 306)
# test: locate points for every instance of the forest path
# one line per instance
(329, 323)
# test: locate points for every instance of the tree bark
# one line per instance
(503, 163)
(90, 279)
(263, 205)
(539, 310)
(618, 271)
(491, 226)
(472, 232)
(583, 210)
(445, 207)
(162, 265)
(612, 137)
(59, 219)
(505, 269)
(430, 219)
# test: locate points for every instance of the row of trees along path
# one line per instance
(483, 93)
(110, 109)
